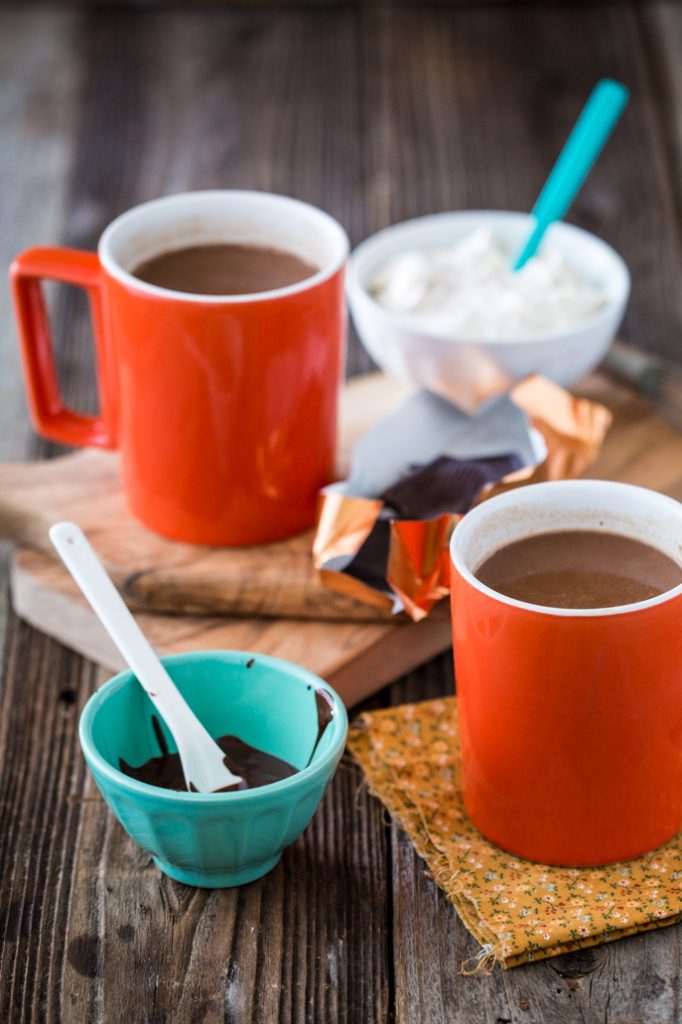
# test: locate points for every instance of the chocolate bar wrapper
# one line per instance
(383, 535)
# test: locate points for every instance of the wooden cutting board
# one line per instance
(357, 657)
(358, 653)
(155, 574)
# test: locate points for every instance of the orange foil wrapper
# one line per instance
(417, 571)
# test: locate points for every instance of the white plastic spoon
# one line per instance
(201, 757)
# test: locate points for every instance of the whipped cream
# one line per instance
(469, 291)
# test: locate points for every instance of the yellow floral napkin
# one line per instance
(517, 910)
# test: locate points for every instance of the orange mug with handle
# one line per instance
(570, 720)
(224, 408)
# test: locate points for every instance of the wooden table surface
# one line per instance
(376, 113)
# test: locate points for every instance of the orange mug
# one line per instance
(570, 720)
(224, 408)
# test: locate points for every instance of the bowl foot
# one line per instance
(218, 879)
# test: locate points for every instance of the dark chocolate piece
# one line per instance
(446, 485)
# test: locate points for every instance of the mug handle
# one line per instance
(50, 415)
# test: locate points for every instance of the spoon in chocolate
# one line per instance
(202, 759)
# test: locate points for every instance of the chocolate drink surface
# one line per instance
(579, 569)
(224, 269)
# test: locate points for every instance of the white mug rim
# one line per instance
(115, 270)
(480, 511)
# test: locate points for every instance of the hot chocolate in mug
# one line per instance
(570, 719)
(224, 408)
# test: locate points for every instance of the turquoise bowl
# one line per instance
(214, 840)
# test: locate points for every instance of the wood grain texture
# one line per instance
(155, 574)
(232, 955)
(93, 932)
(357, 658)
(376, 112)
(278, 579)
(632, 981)
(38, 103)
(498, 91)
(518, 77)
(90, 934)
(661, 23)
(38, 109)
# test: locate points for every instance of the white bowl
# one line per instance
(469, 371)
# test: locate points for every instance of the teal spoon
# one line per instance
(590, 132)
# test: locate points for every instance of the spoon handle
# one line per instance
(194, 742)
(590, 132)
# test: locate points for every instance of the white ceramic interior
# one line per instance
(468, 371)
(206, 218)
(567, 505)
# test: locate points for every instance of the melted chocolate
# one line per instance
(256, 767)
(324, 702)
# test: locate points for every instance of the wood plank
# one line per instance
(662, 29)
(108, 939)
(39, 94)
(357, 658)
(469, 109)
(38, 97)
(42, 769)
(230, 954)
(498, 90)
(273, 580)
(376, 114)
(83, 908)
(629, 981)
